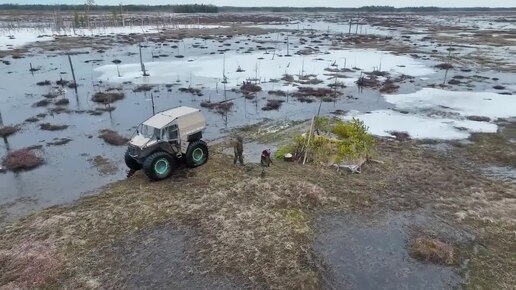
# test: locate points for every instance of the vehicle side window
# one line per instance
(157, 133)
(172, 133)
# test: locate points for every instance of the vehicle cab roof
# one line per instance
(163, 119)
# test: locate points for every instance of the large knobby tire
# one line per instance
(197, 154)
(131, 162)
(159, 166)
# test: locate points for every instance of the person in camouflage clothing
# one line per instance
(238, 149)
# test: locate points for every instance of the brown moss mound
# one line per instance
(250, 88)
(113, 138)
(444, 65)
(8, 130)
(272, 105)
(23, 159)
(432, 250)
(107, 97)
(51, 127)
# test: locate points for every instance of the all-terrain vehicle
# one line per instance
(164, 140)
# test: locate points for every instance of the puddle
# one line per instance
(370, 252)
(507, 174)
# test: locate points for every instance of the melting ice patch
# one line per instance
(440, 114)
(382, 122)
(21, 38)
(484, 104)
(209, 70)
(10, 39)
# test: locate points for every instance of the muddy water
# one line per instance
(369, 251)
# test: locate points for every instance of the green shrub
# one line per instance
(352, 142)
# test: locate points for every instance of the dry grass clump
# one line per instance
(432, 250)
(107, 97)
(272, 105)
(279, 93)
(143, 88)
(221, 107)
(400, 136)
(368, 81)
(42, 103)
(389, 87)
(250, 88)
(62, 102)
(23, 159)
(258, 229)
(51, 127)
(6, 131)
(44, 83)
(193, 91)
(444, 65)
(29, 264)
(113, 138)
(314, 92)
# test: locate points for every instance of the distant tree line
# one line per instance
(193, 8)
(201, 8)
(360, 9)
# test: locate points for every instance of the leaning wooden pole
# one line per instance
(73, 73)
(308, 142)
(141, 62)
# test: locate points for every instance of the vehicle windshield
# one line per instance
(148, 132)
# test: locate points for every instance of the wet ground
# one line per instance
(369, 251)
(160, 259)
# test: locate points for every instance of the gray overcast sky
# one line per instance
(298, 3)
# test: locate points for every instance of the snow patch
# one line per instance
(209, 70)
(382, 122)
(485, 104)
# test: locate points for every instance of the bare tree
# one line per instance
(89, 3)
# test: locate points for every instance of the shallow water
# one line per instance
(369, 251)
(67, 174)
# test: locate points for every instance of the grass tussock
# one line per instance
(62, 102)
(272, 105)
(219, 107)
(143, 88)
(52, 127)
(433, 250)
(444, 66)
(29, 265)
(400, 136)
(314, 92)
(6, 131)
(112, 137)
(23, 159)
(250, 88)
(41, 103)
(107, 97)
